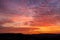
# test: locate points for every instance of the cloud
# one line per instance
(39, 13)
(33, 12)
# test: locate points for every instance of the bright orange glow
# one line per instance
(49, 29)
(19, 22)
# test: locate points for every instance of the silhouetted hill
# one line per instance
(27, 36)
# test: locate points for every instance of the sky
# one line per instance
(36, 16)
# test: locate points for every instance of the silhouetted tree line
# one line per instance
(19, 36)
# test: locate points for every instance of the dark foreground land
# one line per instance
(7, 36)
